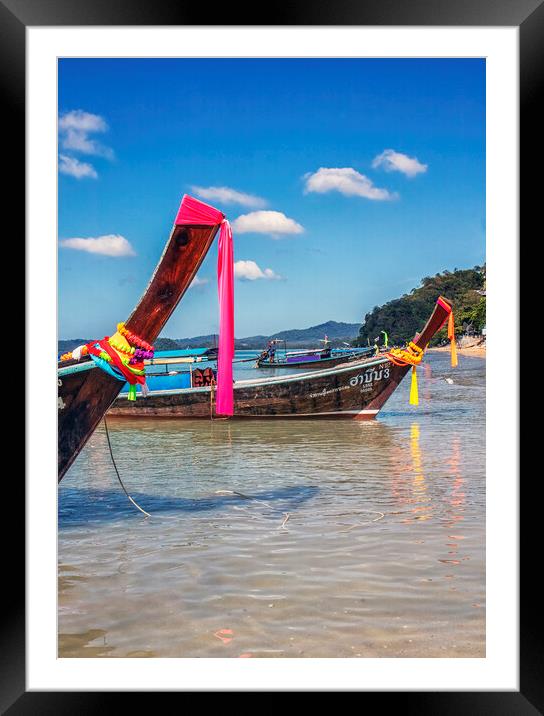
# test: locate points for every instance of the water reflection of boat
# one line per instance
(422, 507)
(408, 484)
(457, 496)
(283, 437)
(85, 391)
(354, 389)
(455, 501)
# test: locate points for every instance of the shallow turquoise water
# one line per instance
(345, 538)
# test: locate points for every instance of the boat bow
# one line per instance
(85, 391)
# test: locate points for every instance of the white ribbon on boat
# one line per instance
(76, 353)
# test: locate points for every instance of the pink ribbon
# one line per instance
(225, 285)
(193, 211)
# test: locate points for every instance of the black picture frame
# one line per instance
(15, 17)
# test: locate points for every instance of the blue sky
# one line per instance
(374, 169)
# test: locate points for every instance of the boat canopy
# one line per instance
(184, 353)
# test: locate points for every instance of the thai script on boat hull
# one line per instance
(330, 390)
(369, 377)
(366, 380)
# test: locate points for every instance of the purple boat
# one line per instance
(317, 357)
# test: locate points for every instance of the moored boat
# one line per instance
(354, 389)
(313, 359)
(85, 390)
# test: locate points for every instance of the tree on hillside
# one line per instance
(405, 316)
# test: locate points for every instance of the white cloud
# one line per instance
(226, 195)
(198, 282)
(75, 168)
(82, 121)
(108, 245)
(393, 161)
(266, 222)
(347, 181)
(250, 271)
(75, 128)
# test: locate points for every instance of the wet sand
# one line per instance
(475, 347)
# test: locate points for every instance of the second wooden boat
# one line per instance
(313, 360)
(355, 389)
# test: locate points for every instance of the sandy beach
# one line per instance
(466, 346)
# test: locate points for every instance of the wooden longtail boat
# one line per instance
(314, 361)
(355, 389)
(85, 392)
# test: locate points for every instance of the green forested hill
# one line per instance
(401, 318)
(404, 316)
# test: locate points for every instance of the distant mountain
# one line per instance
(336, 331)
(209, 341)
(70, 343)
(166, 344)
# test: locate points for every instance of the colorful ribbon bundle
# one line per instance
(121, 356)
(413, 355)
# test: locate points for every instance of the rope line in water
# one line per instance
(117, 472)
(287, 515)
(254, 499)
(245, 497)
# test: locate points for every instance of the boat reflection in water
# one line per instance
(422, 507)
(456, 505)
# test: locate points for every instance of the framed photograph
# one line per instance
(360, 170)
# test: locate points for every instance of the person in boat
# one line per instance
(326, 350)
(268, 352)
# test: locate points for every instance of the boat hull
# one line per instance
(355, 390)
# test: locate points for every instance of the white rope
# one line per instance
(117, 472)
(287, 515)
